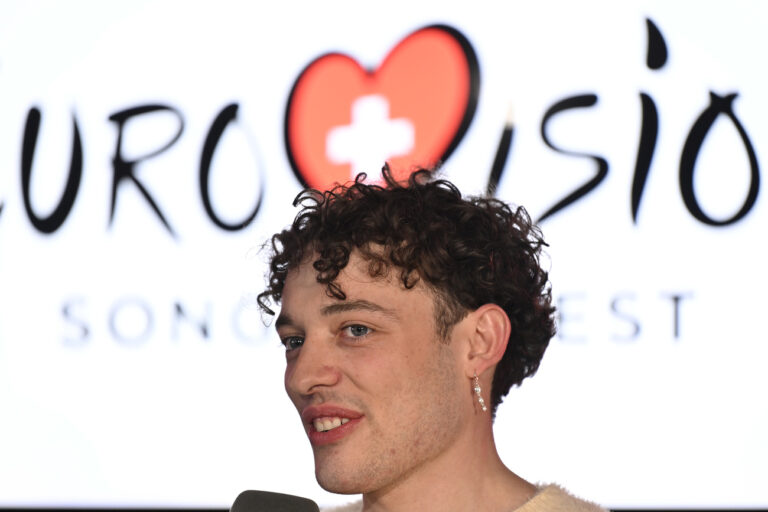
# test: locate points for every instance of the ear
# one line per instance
(488, 334)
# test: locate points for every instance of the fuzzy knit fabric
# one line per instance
(552, 498)
(549, 498)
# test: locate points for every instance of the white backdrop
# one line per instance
(134, 368)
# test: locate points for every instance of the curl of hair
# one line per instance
(469, 251)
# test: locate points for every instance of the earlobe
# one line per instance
(488, 338)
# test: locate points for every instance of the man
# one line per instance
(407, 314)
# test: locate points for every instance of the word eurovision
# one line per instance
(124, 169)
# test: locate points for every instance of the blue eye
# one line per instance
(292, 342)
(357, 331)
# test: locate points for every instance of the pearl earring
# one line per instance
(478, 392)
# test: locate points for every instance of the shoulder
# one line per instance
(548, 498)
(552, 498)
(357, 506)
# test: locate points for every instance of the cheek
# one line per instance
(385, 379)
(418, 379)
(441, 376)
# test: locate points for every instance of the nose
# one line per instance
(313, 370)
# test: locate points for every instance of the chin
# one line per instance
(338, 477)
(333, 482)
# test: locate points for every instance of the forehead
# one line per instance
(356, 283)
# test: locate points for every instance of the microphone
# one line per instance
(263, 501)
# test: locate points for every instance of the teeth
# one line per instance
(326, 424)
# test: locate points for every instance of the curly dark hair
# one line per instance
(469, 251)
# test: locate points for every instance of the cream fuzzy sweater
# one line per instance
(549, 498)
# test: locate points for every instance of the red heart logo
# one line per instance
(412, 111)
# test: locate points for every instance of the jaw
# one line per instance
(340, 467)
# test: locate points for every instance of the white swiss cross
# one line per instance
(371, 139)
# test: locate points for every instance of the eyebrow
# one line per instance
(341, 307)
(357, 305)
(283, 320)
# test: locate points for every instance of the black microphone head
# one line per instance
(263, 501)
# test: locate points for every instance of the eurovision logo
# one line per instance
(411, 111)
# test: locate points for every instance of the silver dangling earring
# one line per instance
(478, 392)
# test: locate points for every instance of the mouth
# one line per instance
(328, 423)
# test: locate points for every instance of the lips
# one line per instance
(328, 424)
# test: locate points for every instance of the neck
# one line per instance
(468, 476)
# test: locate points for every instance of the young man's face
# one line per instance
(371, 364)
